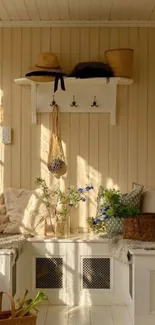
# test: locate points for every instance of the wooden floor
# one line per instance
(97, 315)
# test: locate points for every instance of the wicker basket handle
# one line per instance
(12, 303)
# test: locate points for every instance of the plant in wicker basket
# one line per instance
(59, 204)
(111, 214)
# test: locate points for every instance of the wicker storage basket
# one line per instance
(8, 317)
(120, 61)
(141, 227)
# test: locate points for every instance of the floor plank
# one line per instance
(57, 316)
(101, 315)
(120, 315)
(42, 315)
(78, 316)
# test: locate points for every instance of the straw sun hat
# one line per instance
(47, 69)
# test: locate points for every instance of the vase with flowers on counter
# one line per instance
(59, 204)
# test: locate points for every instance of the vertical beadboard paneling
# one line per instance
(93, 130)
(122, 122)
(55, 48)
(6, 73)
(142, 107)
(74, 158)
(16, 109)
(65, 117)
(112, 180)
(104, 120)
(35, 129)
(83, 168)
(95, 151)
(45, 117)
(151, 111)
(74, 161)
(133, 113)
(26, 113)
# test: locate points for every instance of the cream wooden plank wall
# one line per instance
(96, 151)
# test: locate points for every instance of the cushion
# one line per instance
(148, 201)
(26, 211)
(133, 198)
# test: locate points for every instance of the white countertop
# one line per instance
(73, 238)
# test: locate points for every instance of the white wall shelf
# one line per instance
(84, 91)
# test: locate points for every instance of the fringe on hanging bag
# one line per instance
(56, 159)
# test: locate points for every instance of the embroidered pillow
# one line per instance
(133, 198)
(26, 211)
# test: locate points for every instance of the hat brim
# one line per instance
(41, 78)
(50, 71)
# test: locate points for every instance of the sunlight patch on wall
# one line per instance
(44, 149)
(111, 184)
(82, 180)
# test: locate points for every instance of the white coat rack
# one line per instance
(93, 95)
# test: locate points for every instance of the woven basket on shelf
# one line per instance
(141, 227)
(120, 61)
(8, 317)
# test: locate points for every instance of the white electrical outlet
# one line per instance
(6, 134)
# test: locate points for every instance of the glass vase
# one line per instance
(62, 226)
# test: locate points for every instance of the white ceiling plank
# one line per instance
(73, 9)
(21, 9)
(142, 9)
(152, 15)
(11, 9)
(105, 9)
(121, 9)
(84, 9)
(79, 23)
(63, 7)
(3, 12)
(32, 10)
(52, 9)
(42, 9)
(95, 9)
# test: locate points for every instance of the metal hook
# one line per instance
(74, 102)
(53, 102)
(94, 104)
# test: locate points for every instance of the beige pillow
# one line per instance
(148, 201)
(26, 211)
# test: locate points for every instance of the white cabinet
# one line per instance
(70, 272)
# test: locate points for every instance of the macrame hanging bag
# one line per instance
(56, 159)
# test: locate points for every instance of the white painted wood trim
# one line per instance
(79, 23)
(99, 81)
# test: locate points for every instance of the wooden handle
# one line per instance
(12, 303)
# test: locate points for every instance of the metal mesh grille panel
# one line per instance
(96, 273)
(49, 273)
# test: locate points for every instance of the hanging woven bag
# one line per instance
(56, 159)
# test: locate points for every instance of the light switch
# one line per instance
(6, 134)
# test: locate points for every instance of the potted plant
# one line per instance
(111, 212)
(59, 203)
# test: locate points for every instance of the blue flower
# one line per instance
(106, 216)
(107, 208)
(83, 199)
(96, 221)
(88, 188)
(70, 205)
(80, 190)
